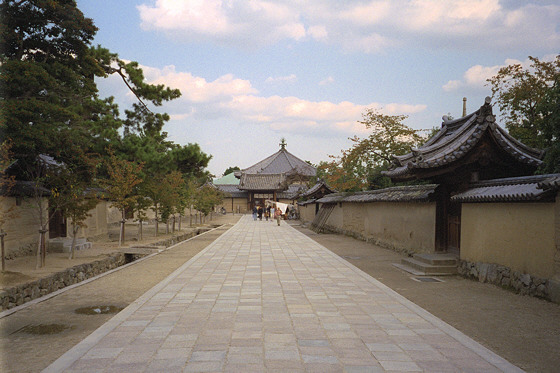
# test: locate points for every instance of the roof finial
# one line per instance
(464, 106)
(283, 143)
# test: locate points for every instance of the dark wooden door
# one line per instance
(57, 224)
(448, 223)
(454, 227)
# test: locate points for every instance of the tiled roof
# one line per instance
(515, 189)
(24, 189)
(293, 191)
(411, 193)
(456, 138)
(552, 182)
(263, 182)
(281, 162)
(231, 190)
(228, 179)
(315, 188)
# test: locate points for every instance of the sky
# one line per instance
(252, 72)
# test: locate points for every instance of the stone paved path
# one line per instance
(268, 298)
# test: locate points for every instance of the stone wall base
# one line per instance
(502, 276)
(20, 294)
(372, 240)
(521, 283)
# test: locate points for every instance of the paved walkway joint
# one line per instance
(268, 298)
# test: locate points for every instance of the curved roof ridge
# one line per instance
(517, 148)
(456, 138)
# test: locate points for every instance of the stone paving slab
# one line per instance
(268, 298)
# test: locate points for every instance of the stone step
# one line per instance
(437, 259)
(429, 269)
(64, 245)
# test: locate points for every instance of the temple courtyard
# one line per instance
(250, 296)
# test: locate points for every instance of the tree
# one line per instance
(47, 72)
(51, 108)
(549, 123)
(141, 206)
(124, 176)
(50, 101)
(207, 197)
(6, 184)
(155, 189)
(360, 166)
(174, 185)
(524, 96)
(76, 201)
(229, 170)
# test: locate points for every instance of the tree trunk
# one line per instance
(72, 247)
(157, 220)
(173, 225)
(121, 236)
(140, 230)
(41, 249)
(166, 226)
(38, 256)
(180, 219)
(2, 234)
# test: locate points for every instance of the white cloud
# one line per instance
(196, 89)
(452, 85)
(245, 23)
(292, 78)
(475, 78)
(327, 81)
(368, 26)
(233, 99)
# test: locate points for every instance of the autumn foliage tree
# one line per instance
(75, 202)
(359, 167)
(121, 184)
(206, 198)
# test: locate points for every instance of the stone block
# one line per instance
(554, 291)
(64, 244)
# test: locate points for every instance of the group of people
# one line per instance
(268, 212)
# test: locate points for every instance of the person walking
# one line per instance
(267, 213)
(278, 215)
(272, 210)
(260, 212)
(255, 213)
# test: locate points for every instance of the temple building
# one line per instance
(464, 152)
(281, 177)
(480, 210)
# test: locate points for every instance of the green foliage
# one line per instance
(46, 73)
(522, 95)
(229, 170)
(207, 197)
(360, 166)
(6, 182)
(50, 106)
(549, 123)
(124, 176)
